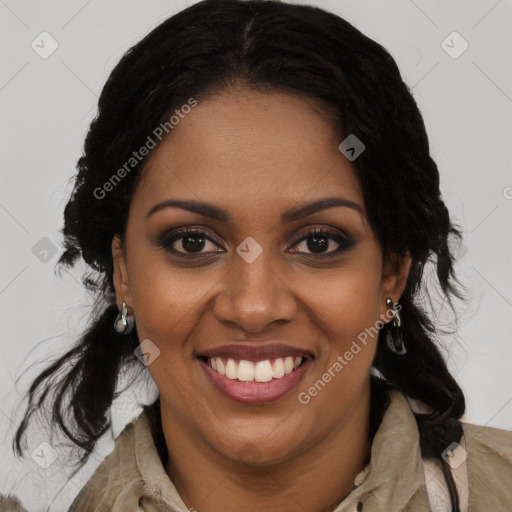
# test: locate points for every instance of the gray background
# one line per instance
(47, 104)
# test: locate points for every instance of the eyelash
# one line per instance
(168, 239)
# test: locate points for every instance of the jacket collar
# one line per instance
(158, 486)
(394, 478)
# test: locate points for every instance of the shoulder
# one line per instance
(484, 434)
(116, 477)
(489, 463)
(492, 444)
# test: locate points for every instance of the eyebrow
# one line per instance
(290, 215)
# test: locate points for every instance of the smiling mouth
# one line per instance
(265, 370)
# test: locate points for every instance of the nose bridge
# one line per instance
(254, 294)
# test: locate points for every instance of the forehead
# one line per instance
(247, 148)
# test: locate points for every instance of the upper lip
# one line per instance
(252, 352)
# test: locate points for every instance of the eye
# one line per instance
(192, 242)
(319, 240)
(188, 242)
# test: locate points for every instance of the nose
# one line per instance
(254, 295)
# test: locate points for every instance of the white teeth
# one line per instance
(245, 370)
(231, 369)
(278, 368)
(260, 371)
(288, 365)
(263, 371)
(220, 366)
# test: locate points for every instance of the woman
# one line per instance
(257, 203)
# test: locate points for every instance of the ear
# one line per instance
(394, 279)
(121, 279)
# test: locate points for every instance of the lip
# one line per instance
(256, 392)
(252, 352)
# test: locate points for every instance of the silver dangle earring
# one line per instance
(124, 322)
(394, 336)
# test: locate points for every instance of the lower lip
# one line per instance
(256, 392)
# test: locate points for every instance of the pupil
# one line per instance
(318, 242)
(193, 243)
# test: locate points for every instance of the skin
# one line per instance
(256, 155)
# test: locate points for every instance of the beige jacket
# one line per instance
(132, 478)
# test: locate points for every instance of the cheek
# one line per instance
(166, 298)
(347, 306)
(167, 302)
(347, 313)
(348, 300)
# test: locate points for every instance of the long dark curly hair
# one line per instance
(267, 45)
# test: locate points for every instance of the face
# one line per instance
(258, 266)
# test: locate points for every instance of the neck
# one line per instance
(316, 480)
